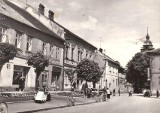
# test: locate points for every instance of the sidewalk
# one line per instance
(57, 102)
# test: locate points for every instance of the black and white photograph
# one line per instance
(79, 56)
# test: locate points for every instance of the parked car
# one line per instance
(3, 105)
(42, 96)
(147, 93)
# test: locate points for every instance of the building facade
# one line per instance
(113, 76)
(76, 49)
(21, 29)
(154, 74)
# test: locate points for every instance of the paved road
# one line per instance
(57, 101)
(122, 104)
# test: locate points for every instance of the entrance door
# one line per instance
(55, 81)
(18, 77)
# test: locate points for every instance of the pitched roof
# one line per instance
(157, 51)
(8, 11)
(11, 10)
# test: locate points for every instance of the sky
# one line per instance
(118, 26)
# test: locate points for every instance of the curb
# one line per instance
(25, 101)
(45, 109)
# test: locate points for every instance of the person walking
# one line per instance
(130, 92)
(84, 88)
(157, 93)
(119, 92)
(21, 83)
(114, 91)
(108, 93)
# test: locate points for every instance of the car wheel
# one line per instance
(3, 108)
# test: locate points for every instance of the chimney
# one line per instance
(41, 9)
(51, 15)
(101, 50)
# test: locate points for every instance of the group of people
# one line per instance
(86, 90)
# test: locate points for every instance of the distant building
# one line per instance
(113, 75)
(147, 46)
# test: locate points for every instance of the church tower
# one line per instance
(147, 46)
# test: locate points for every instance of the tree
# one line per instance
(88, 70)
(39, 61)
(137, 71)
(7, 52)
(70, 73)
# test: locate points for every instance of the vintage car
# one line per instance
(147, 93)
(42, 96)
(3, 105)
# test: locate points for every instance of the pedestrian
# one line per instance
(108, 93)
(84, 88)
(104, 94)
(21, 83)
(114, 91)
(130, 92)
(89, 92)
(119, 92)
(157, 93)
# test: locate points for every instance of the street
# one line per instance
(117, 104)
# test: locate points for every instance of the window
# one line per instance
(66, 52)
(29, 43)
(79, 55)
(80, 52)
(52, 51)
(18, 39)
(86, 54)
(57, 53)
(72, 51)
(44, 48)
(3, 35)
(90, 55)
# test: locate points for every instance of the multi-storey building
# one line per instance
(112, 75)
(76, 49)
(29, 35)
(154, 73)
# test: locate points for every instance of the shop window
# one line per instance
(18, 73)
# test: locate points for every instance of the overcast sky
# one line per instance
(119, 23)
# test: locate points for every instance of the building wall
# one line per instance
(155, 73)
(73, 41)
(38, 38)
(112, 76)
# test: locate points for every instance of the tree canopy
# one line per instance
(7, 52)
(70, 73)
(38, 60)
(137, 70)
(88, 70)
